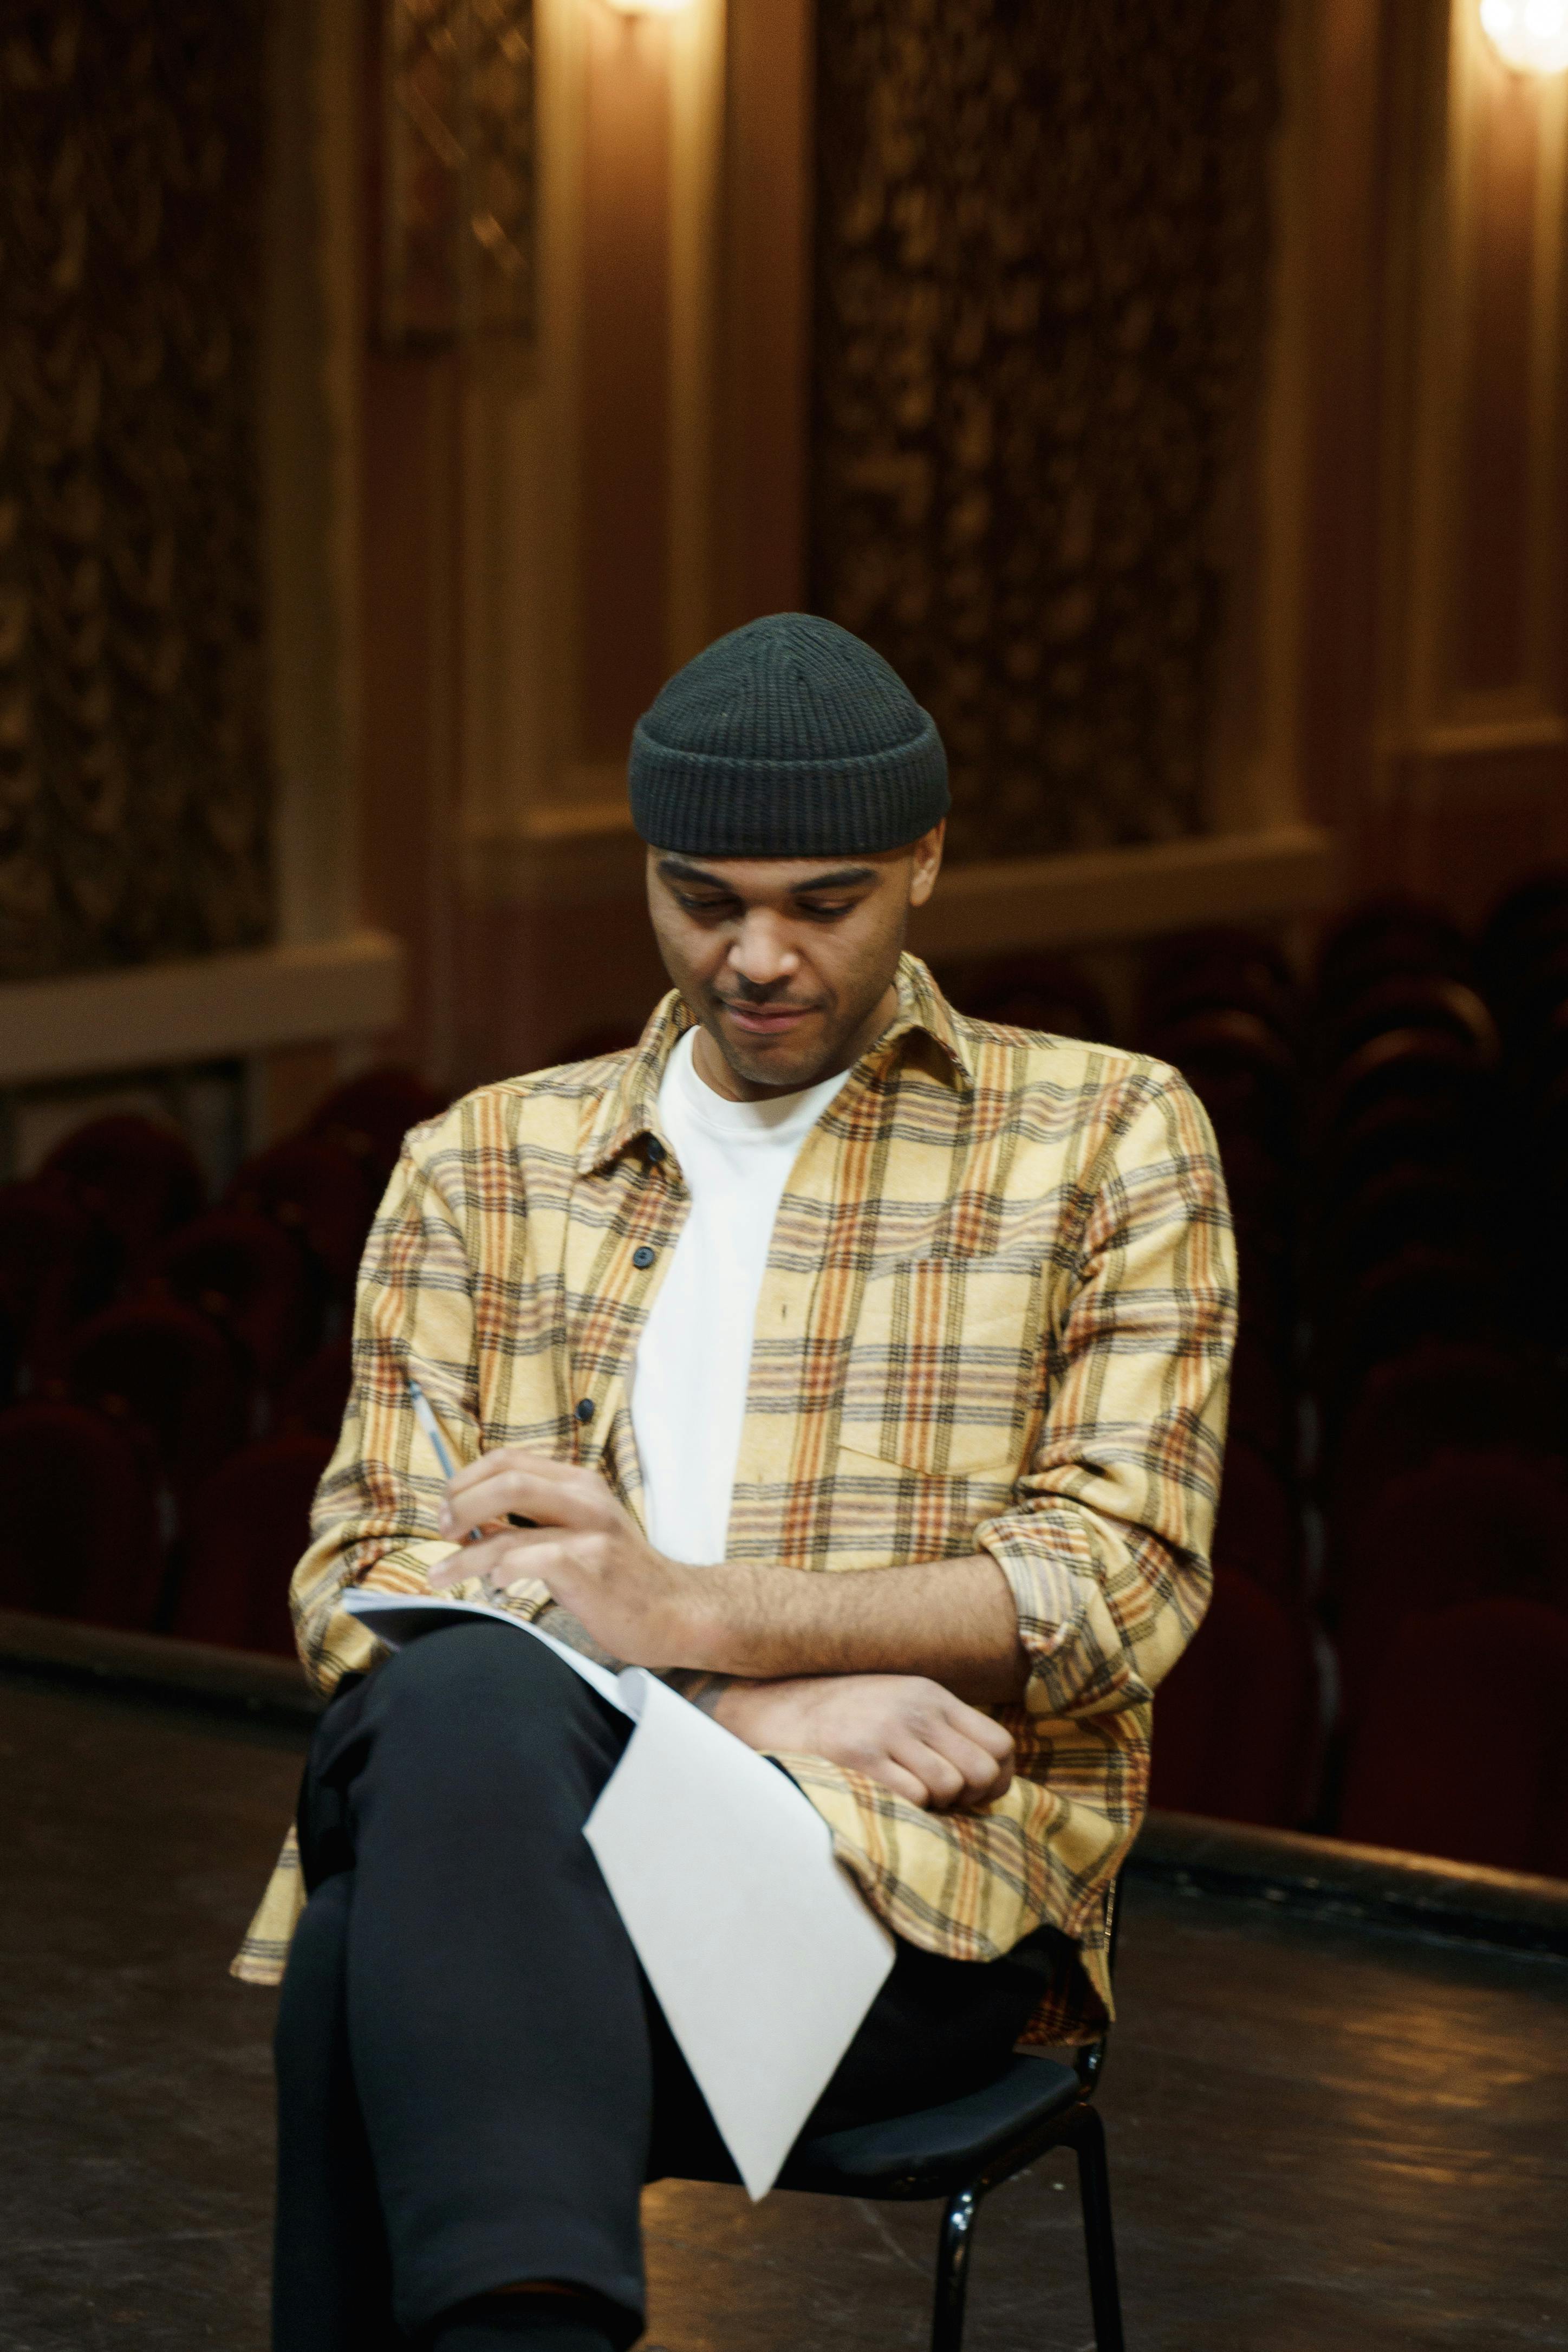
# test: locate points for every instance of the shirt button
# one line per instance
(585, 1408)
(643, 1256)
(656, 1151)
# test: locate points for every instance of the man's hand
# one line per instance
(584, 1546)
(913, 1736)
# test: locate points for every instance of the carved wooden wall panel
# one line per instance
(1039, 309)
(457, 231)
(133, 776)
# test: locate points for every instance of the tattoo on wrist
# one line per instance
(703, 1690)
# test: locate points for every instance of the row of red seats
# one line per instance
(1242, 1729)
(180, 1372)
(1463, 1753)
(83, 1536)
(116, 1216)
(1395, 1481)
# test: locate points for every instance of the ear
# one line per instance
(926, 864)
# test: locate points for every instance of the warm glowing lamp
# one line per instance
(664, 7)
(1532, 35)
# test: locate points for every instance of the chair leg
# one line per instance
(953, 2271)
(1100, 2244)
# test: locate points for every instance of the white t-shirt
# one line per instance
(694, 1360)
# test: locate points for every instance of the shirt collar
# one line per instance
(923, 1008)
(628, 1109)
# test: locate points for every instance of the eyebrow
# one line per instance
(842, 877)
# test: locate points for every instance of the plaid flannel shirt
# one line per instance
(997, 1316)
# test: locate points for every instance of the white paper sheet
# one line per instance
(761, 1950)
(763, 1954)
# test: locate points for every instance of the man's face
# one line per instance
(787, 962)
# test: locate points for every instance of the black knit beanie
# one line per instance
(787, 739)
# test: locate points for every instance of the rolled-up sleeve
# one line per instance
(1106, 1546)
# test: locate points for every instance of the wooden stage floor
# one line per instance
(1321, 2136)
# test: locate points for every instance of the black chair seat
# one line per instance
(941, 2149)
(962, 2150)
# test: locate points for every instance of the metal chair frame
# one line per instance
(1077, 2126)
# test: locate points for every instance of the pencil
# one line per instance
(426, 1419)
(432, 1428)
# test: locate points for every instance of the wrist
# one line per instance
(698, 1624)
(776, 1713)
(729, 1704)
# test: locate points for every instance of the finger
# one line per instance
(457, 1567)
(940, 1777)
(981, 1728)
(514, 1491)
(890, 1774)
(963, 1774)
(541, 1555)
(501, 1459)
(985, 1776)
(485, 1560)
(986, 1770)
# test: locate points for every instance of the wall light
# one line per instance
(1532, 35)
(660, 7)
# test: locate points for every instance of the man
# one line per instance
(820, 1277)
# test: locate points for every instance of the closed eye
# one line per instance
(707, 907)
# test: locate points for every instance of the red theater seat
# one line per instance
(1475, 1526)
(56, 1267)
(1415, 1001)
(136, 1178)
(168, 1376)
(1241, 1071)
(1267, 1276)
(1532, 998)
(1218, 970)
(1260, 1186)
(1046, 994)
(78, 1529)
(1407, 1066)
(244, 1275)
(1257, 1535)
(1463, 1750)
(1262, 1408)
(1422, 1298)
(1386, 938)
(1439, 1398)
(318, 1395)
(246, 1532)
(1434, 1136)
(1411, 1208)
(369, 1118)
(1528, 923)
(1237, 1720)
(319, 1197)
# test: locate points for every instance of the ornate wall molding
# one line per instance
(457, 200)
(1040, 308)
(133, 766)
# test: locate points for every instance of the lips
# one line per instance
(765, 1020)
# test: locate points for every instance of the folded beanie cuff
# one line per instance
(708, 804)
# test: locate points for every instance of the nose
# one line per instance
(760, 954)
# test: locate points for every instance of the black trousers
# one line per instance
(475, 2080)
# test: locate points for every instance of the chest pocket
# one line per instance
(945, 1373)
